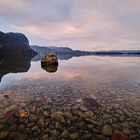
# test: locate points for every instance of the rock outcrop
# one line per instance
(14, 43)
(15, 53)
(50, 68)
(49, 63)
(50, 59)
(12, 63)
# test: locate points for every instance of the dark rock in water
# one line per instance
(17, 39)
(50, 59)
(49, 63)
(50, 68)
(14, 63)
(90, 102)
(15, 53)
(15, 43)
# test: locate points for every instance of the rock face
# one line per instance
(50, 59)
(15, 53)
(15, 43)
(49, 63)
(50, 68)
(14, 63)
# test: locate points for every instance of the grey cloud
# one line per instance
(36, 12)
(74, 22)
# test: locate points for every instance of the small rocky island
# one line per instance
(50, 59)
(49, 63)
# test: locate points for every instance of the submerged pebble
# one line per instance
(71, 114)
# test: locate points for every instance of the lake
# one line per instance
(86, 98)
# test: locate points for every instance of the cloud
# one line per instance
(80, 24)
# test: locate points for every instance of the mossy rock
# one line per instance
(50, 59)
(50, 68)
(49, 63)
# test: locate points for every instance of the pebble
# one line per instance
(35, 128)
(45, 137)
(65, 133)
(76, 106)
(45, 113)
(68, 115)
(100, 137)
(33, 117)
(41, 122)
(52, 138)
(33, 110)
(74, 136)
(83, 108)
(127, 131)
(1, 126)
(107, 130)
(4, 134)
(58, 116)
(21, 126)
(21, 137)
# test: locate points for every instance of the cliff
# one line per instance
(14, 43)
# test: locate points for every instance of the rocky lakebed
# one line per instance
(70, 110)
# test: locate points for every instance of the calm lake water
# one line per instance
(89, 97)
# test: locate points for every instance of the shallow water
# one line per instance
(86, 98)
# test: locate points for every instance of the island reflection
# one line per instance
(15, 63)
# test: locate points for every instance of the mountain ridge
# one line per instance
(51, 49)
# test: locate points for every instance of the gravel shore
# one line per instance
(70, 110)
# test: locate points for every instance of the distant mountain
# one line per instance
(118, 52)
(63, 53)
(51, 49)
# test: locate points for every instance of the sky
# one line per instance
(78, 24)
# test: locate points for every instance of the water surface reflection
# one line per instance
(86, 98)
